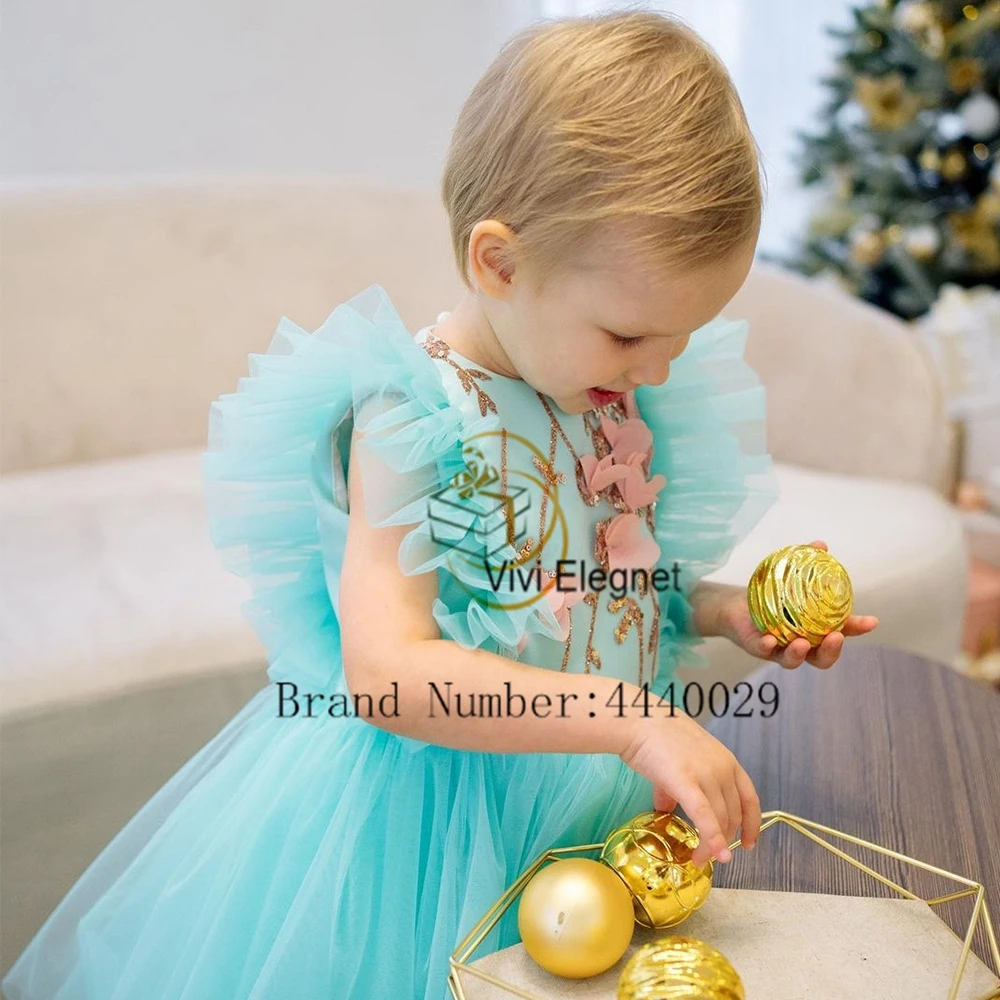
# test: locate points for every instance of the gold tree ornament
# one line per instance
(977, 231)
(929, 159)
(964, 73)
(681, 968)
(954, 165)
(924, 23)
(575, 918)
(652, 855)
(890, 105)
(799, 591)
(867, 247)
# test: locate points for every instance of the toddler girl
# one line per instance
(476, 555)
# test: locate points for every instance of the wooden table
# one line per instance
(890, 748)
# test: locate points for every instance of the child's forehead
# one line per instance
(649, 300)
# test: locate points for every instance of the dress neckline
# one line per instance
(428, 330)
(469, 362)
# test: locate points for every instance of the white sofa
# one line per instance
(126, 310)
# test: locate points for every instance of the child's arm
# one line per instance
(389, 635)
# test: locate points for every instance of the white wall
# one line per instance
(102, 88)
(106, 87)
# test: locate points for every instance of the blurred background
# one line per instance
(177, 178)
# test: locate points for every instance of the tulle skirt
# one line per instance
(315, 857)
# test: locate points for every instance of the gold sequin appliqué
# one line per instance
(437, 348)
(633, 614)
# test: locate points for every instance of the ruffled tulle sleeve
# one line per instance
(276, 486)
(708, 422)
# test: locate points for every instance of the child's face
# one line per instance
(560, 340)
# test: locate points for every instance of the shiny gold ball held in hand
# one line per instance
(799, 591)
(652, 855)
(682, 968)
(575, 918)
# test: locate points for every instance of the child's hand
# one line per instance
(736, 625)
(687, 765)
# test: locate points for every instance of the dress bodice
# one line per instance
(573, 497)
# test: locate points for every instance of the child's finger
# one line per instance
(734, 809)
(820, 544)
(717, 797)
(697, 806)
(859, 624)
(750, 822)
(826, 654)
(764, 646)
(794, 654)
(663, 801)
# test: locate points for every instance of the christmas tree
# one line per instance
(909, 159)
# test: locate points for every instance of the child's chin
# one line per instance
(575, 405)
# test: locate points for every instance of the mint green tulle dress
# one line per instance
(300, 858)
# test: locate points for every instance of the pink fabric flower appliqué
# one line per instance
(627, 546)
(560, 601)
(621, 542)
(629, 437)
(599, 474)
(635, 489)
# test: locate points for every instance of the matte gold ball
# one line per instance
(652, 855)
(682, 968)
(575, 918)
(799, 591)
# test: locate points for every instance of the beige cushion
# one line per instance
(127, 310)
(108, 580)
(850, 388)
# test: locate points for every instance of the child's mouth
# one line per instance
(602, 397)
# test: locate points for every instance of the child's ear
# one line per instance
(492, 247)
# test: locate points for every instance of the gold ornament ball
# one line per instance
(954, 165)
(964, 73)
(652, 855)
(929, 159)
(867, 248)
(575, 918)
(682, 968)
(799, 591)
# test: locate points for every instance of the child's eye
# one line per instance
(624, 341)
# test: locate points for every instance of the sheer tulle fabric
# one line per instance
(307, 857)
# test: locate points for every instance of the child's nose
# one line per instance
(653, 373)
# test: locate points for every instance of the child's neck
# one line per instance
(468, 330)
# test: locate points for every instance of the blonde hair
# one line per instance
(626, 117)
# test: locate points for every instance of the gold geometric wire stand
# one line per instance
(463, 953)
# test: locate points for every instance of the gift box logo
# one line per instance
(473, 514)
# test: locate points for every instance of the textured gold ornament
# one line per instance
(799, 591)
(575, 918)
(681, 968)
(889, 104)
(652, 855)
